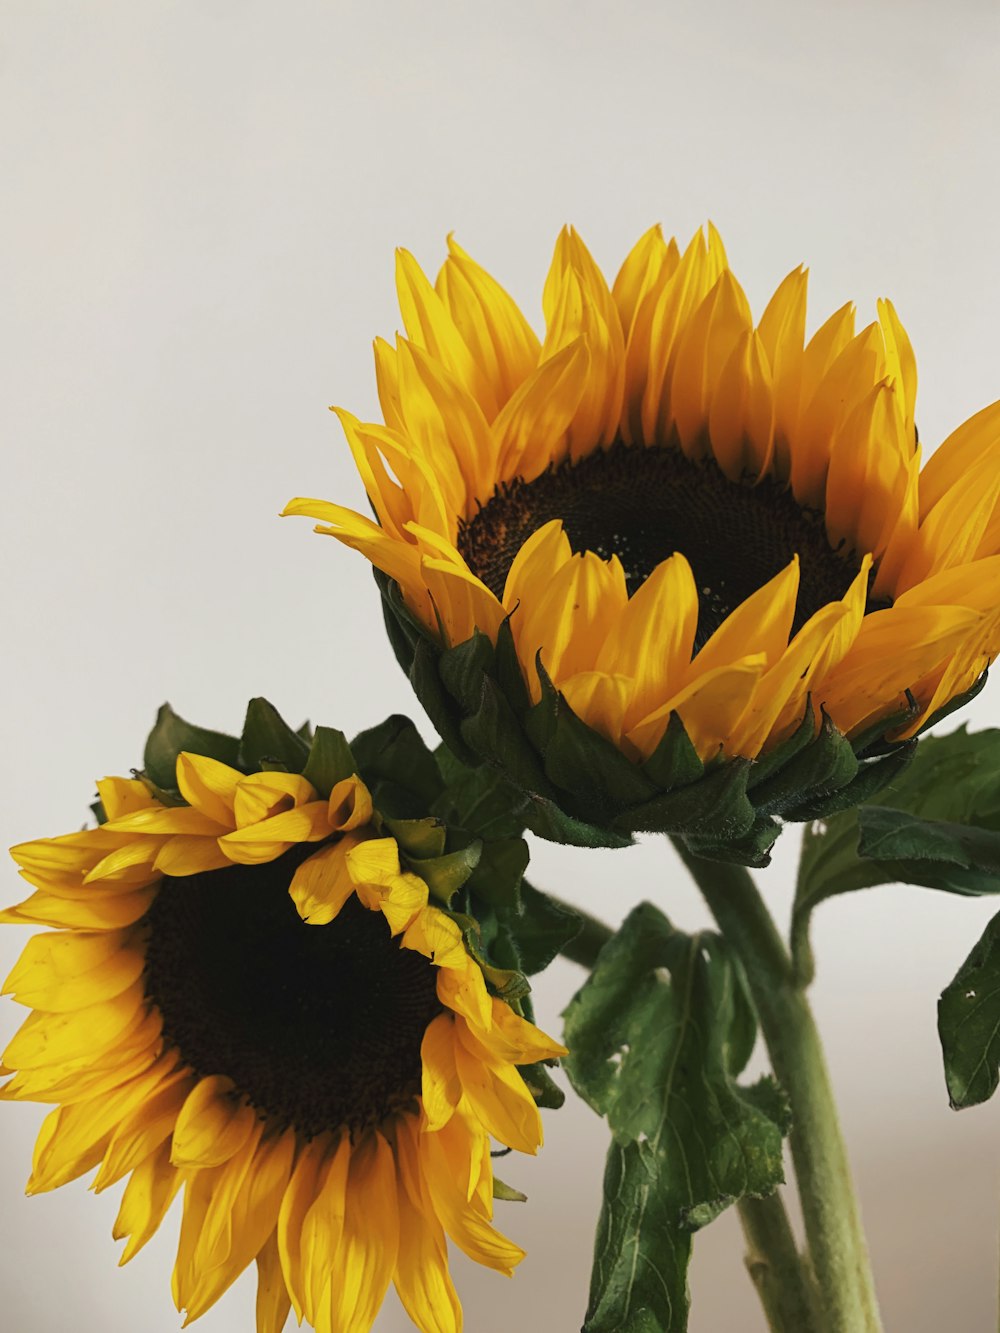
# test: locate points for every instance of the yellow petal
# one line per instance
(365, 1259)
(273, 1302)
(122, 796)
(148, 1195)
(429, 325)
(438, 937)
(142, 1132)
(498, 1095)
(441, 1090)
(782, 334)
(422, 1279)
(445, 1162)
(350, 804)
(958, 455)
(269, 839)
(530, 432)
(514, 1039)
(501, 341)
(300, 1196)
(213, 1124)
(703, 349)
(322, 884)
(741, 413)
(208, 785)
(182, 855)
(654, 636)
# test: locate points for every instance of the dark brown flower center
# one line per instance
(318, 1026)
(644, 504)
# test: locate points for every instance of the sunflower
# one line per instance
(673, 524)
(248, 995)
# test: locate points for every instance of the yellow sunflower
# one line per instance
(248, 995)
(678, 516)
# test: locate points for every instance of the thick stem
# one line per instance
(776, 1268)
(837, 1246)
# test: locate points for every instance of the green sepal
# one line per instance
(717, 804)
(753, 848)
(493, 732)
(825, 765)
(509, 675)
(509, 983)
(675, 761)
(445, 875)
(329, 760)
(463, 668)
(170, 735)
(655, 1036)
(418, 837)
(398, 768)
(269, 743)
(551, 822)
(872, 776)
(969, 1024)
(507, 1193)
(478, 799)
(497, 879)
(440, 707)
(578, 788)
(580, 758)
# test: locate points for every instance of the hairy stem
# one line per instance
(837, 1247)
(777, 1270)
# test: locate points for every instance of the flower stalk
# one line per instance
(837, 1246)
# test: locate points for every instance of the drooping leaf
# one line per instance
(655, 1036)
(937, 825)
(171, 735)
(969, 1024)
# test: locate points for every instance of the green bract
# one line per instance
(571, 785)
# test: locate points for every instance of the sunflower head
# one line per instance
(265, 984)
(668, 567)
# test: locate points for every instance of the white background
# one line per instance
(200, 206)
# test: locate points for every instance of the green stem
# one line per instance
(776, 1268)
(837, 1246)
(584, 947)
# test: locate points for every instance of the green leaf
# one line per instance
(654, 1037)
(969, 1024)
(937, 825)
(541, 930)
(269, 741)
(171, 735)
(330, 760)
